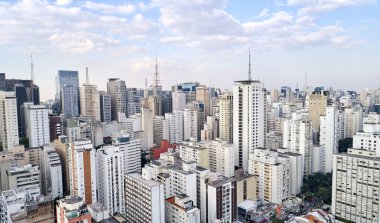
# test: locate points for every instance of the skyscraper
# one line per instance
(36, 124)
(8, 120)
(226, 116)
(249, 119)
(67, 95)
(118, 91)
(90, 100)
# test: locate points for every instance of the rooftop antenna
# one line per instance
(146, 83)
(87, 78)
(305, 80)
(156, 80)
(249, 63)
(31, 77)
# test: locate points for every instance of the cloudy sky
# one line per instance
(336, 42)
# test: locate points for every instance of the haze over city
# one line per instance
(203, 40)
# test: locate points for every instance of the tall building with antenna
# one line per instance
(89, 99)
(249, 117)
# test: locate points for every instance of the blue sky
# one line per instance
(336, 42)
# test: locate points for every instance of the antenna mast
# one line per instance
(87, 78)
(249, 63)
(31, 78)
(156, 80)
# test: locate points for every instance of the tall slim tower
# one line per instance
(90, 100)
(249, 118)
(8, 120)
(156, 85)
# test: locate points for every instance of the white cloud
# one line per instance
(320, 6)
(42, 24)
(109, 9)
(263, 13)
(63, 2)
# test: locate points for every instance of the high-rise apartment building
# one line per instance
(222, 157)
(273, 173)
(298, 138)
(36, 124)
(317, 106)
(328, 136)
(110, 179)
(175, 126)
(195, 152)
(356, 176)
(118, 91)
(55, 127)
(61, 145)
(51, 172)
(144, 199)
(82, 170)
(226, 116)
(90, 101)
(133, 101)
(179, 100)
(160, 129)
(249, 119)
(220, 193)
(8, 120)
(67, 95)
(190, 124)
(131, 151)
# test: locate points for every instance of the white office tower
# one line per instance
(226, 116)
(117, 89)
(8, 120)
(356, 186)
(328, 136)
(274, 174)
(131, 150)
(145, 200)
(110, 179)
(90, 101)
(37, 124)
(222, 157)
(249, 119)
(353, 121)
(82, 170)
(51, 172)
(175, 126)
(190, 124)
(298, 138)
(190, 151)
(160, 130)
(181, 209)
(179, 100)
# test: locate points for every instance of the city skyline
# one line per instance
(327, 40)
